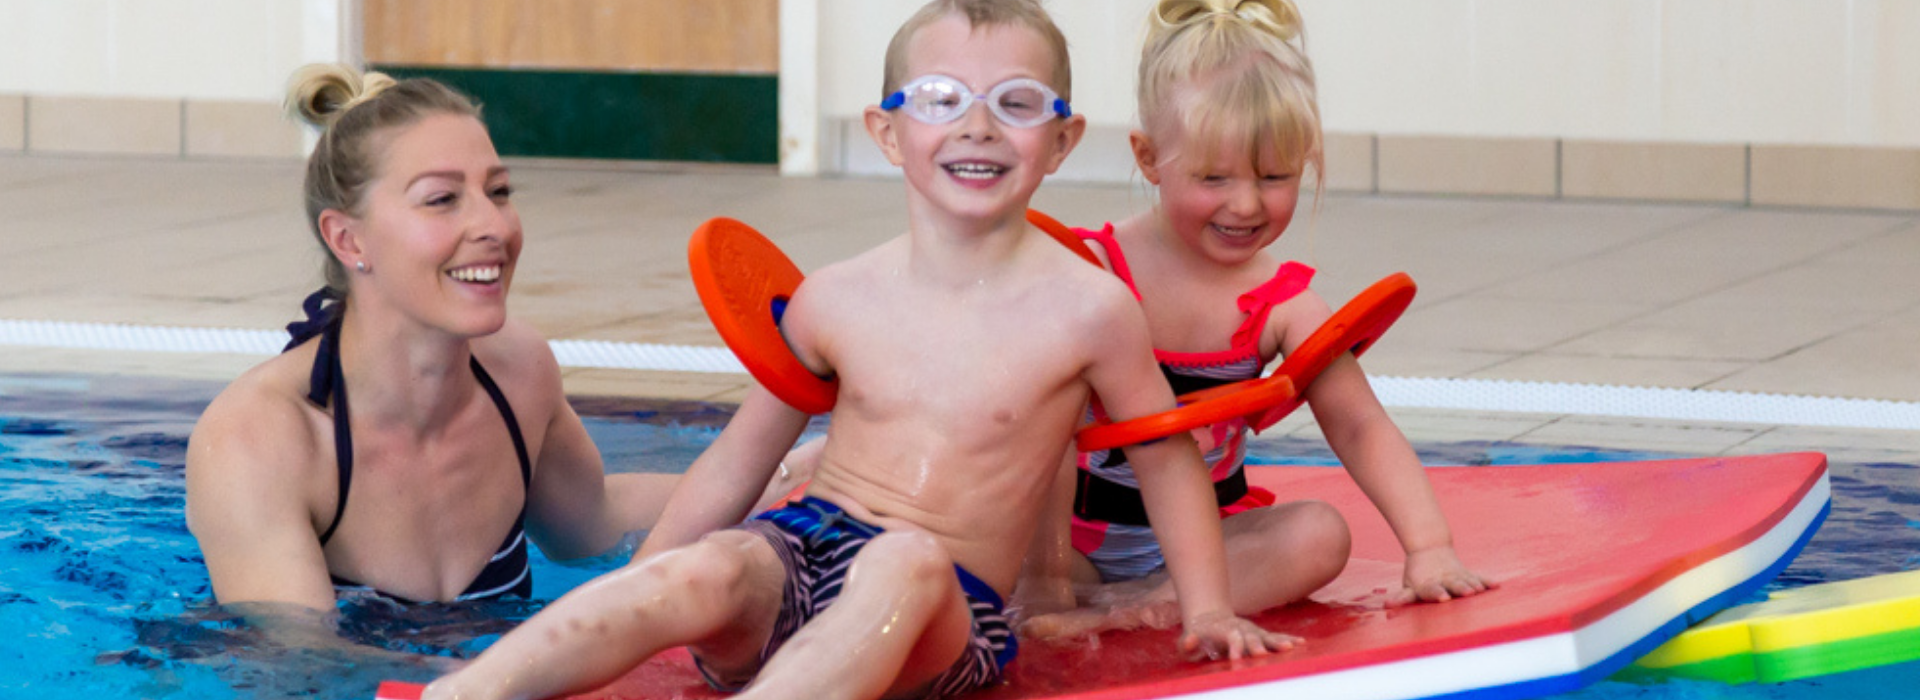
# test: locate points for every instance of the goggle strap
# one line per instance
(1060, 107)
(894, 101)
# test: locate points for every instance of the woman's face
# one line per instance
(439, 232)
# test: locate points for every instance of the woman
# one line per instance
(411, 438)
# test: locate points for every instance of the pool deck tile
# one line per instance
(1793, 301)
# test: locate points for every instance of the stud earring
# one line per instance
(361, 266)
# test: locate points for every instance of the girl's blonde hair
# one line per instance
(980, 13)
(355, 112)
(1234, 72)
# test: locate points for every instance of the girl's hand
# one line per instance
(1222, 635)
(1436, 575)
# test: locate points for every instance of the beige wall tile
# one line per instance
(1836, 176)
(103, 125)
(1656, 171)
(246, 129)
(1349, 162)
(1458, 165)
(13, 123)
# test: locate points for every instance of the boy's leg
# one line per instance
(899, 622)
(720, 595)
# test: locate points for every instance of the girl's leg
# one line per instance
(721, 594)
(1275, 555)
(1281, 554)
(900, 621)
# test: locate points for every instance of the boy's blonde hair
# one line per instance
(1231, 71)
(355, 112)
(981, 13)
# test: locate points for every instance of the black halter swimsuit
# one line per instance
(507, 573)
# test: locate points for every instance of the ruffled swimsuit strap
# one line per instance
(1116, 260)
(1288, 282)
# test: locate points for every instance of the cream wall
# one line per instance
(193, 49)
(1472, 75)
(1772, 71)
(182, 77)
(1746, 71)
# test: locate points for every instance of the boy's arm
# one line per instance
(725, 481)
(1046, 578)
(1177, 492)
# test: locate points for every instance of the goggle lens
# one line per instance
(938, 99)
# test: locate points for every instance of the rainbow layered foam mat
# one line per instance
(1798, 633)
(1596, 565)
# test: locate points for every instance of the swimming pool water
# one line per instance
(104, 592)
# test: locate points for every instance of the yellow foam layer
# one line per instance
(1812, 615)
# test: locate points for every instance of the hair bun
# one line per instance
(1277, 17)
(319, 93)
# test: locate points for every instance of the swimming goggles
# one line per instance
(938, 99)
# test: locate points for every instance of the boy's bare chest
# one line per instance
(1000, 363)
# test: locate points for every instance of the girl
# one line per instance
(1228, 126)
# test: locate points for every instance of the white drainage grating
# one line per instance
(1404, 392)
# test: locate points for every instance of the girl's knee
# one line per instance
(1321, 532)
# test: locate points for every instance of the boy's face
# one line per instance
(975, 167)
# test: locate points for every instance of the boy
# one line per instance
(965, 352)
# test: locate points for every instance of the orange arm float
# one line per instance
(744, 282)
(1353, 328)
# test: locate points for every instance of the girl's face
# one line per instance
(440, 236)
(1224, 208)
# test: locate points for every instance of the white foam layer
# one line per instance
(1403, 392)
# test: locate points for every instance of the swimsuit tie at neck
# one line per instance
(322, 309)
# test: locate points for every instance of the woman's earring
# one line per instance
(361, 266)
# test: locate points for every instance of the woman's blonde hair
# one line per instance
(980, 13)
(354, 112)
(1231, 71)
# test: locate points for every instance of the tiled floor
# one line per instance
(1806, 302)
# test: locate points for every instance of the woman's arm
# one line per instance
(574, 508)
(248, 470)
(729, 477)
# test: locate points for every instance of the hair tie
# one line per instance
(1281, 18)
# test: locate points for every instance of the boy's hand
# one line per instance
(1436, 575)
(1218, 635)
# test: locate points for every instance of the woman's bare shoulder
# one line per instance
(262, 421)
(521, 361)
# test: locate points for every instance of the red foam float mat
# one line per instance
(1594, 562)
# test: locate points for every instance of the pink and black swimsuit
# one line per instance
(1109, 519)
